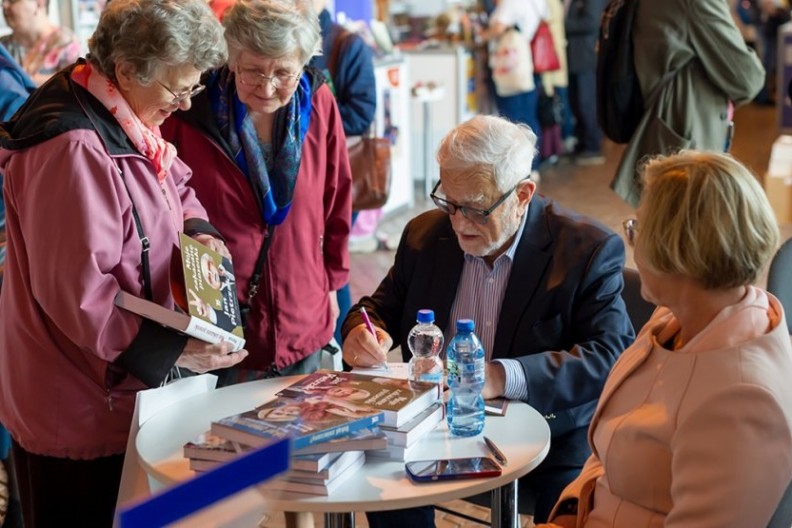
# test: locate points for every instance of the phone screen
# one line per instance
(453, 468)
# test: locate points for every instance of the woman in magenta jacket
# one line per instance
(87, 180)
(269, 158)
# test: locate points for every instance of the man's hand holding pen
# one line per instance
(362, 349)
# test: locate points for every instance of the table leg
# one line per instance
(339, 520)
(504, 506)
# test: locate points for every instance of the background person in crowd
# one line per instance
(355, 93)
(70, 361)
(712, 70)
(553, 109)
(542, 283)
(269, 155)
(38, 45)
(694, 426)
(582, 24)
(526, 15)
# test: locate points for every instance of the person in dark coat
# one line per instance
(582, 22)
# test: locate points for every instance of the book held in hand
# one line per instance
(204, 291)
(305, 418)
(399, 400)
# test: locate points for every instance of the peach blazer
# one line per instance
(697, 437)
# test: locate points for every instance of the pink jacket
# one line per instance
(698, 437)
(290, 317)
(66, 382)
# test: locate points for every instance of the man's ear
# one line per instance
(525, 191)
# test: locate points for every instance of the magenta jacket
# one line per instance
(290, 317)
(71, 363)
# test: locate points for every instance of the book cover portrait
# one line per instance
(209, 291)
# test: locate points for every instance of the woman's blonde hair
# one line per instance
(705, 216)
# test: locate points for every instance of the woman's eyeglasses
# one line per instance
(630, 230)
(254, 78)
(179, 98)
(478, 216)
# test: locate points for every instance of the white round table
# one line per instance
(522, 435)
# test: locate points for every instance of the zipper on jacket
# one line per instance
(109, 400)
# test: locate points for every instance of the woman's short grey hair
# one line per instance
(491, 145)
(705, 216)
(273, 29)
(151, 35)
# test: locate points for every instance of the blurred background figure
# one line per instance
(38, 45)
(694, 425)
(554, 113)
(525, 15)
(582, 23)
(695, 55)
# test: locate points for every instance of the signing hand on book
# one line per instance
(201, 357)
(362, 349)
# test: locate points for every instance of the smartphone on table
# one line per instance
(452, 469)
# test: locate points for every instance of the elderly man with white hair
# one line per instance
(542, 283)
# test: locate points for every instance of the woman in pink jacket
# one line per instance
(694, 425)
(88, 180)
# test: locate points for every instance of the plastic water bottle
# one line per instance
(465, 362)
(426, 342)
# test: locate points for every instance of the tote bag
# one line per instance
(543, 50)
(511, 64)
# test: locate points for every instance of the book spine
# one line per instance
(338, 431)
(211, 334)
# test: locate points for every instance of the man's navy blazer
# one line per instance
(562, 316)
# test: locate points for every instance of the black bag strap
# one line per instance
(262, 257)
(144, 241)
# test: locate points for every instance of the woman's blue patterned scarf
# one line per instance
(274, 188)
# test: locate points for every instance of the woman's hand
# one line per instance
(201, 357)
(214, 244)
(361, 349)
(335, 311)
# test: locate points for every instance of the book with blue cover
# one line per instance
(306, 419)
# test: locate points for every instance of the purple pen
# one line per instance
(370, 328)
(366, 320)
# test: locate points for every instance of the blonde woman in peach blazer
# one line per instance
(694, 425)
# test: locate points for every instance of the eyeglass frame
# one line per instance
(451, 208)
(263, 79)
(630, 226)
(183, 96)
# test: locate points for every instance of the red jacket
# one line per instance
(290, 316)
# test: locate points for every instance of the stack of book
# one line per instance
(410, 409)
(327, 414)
